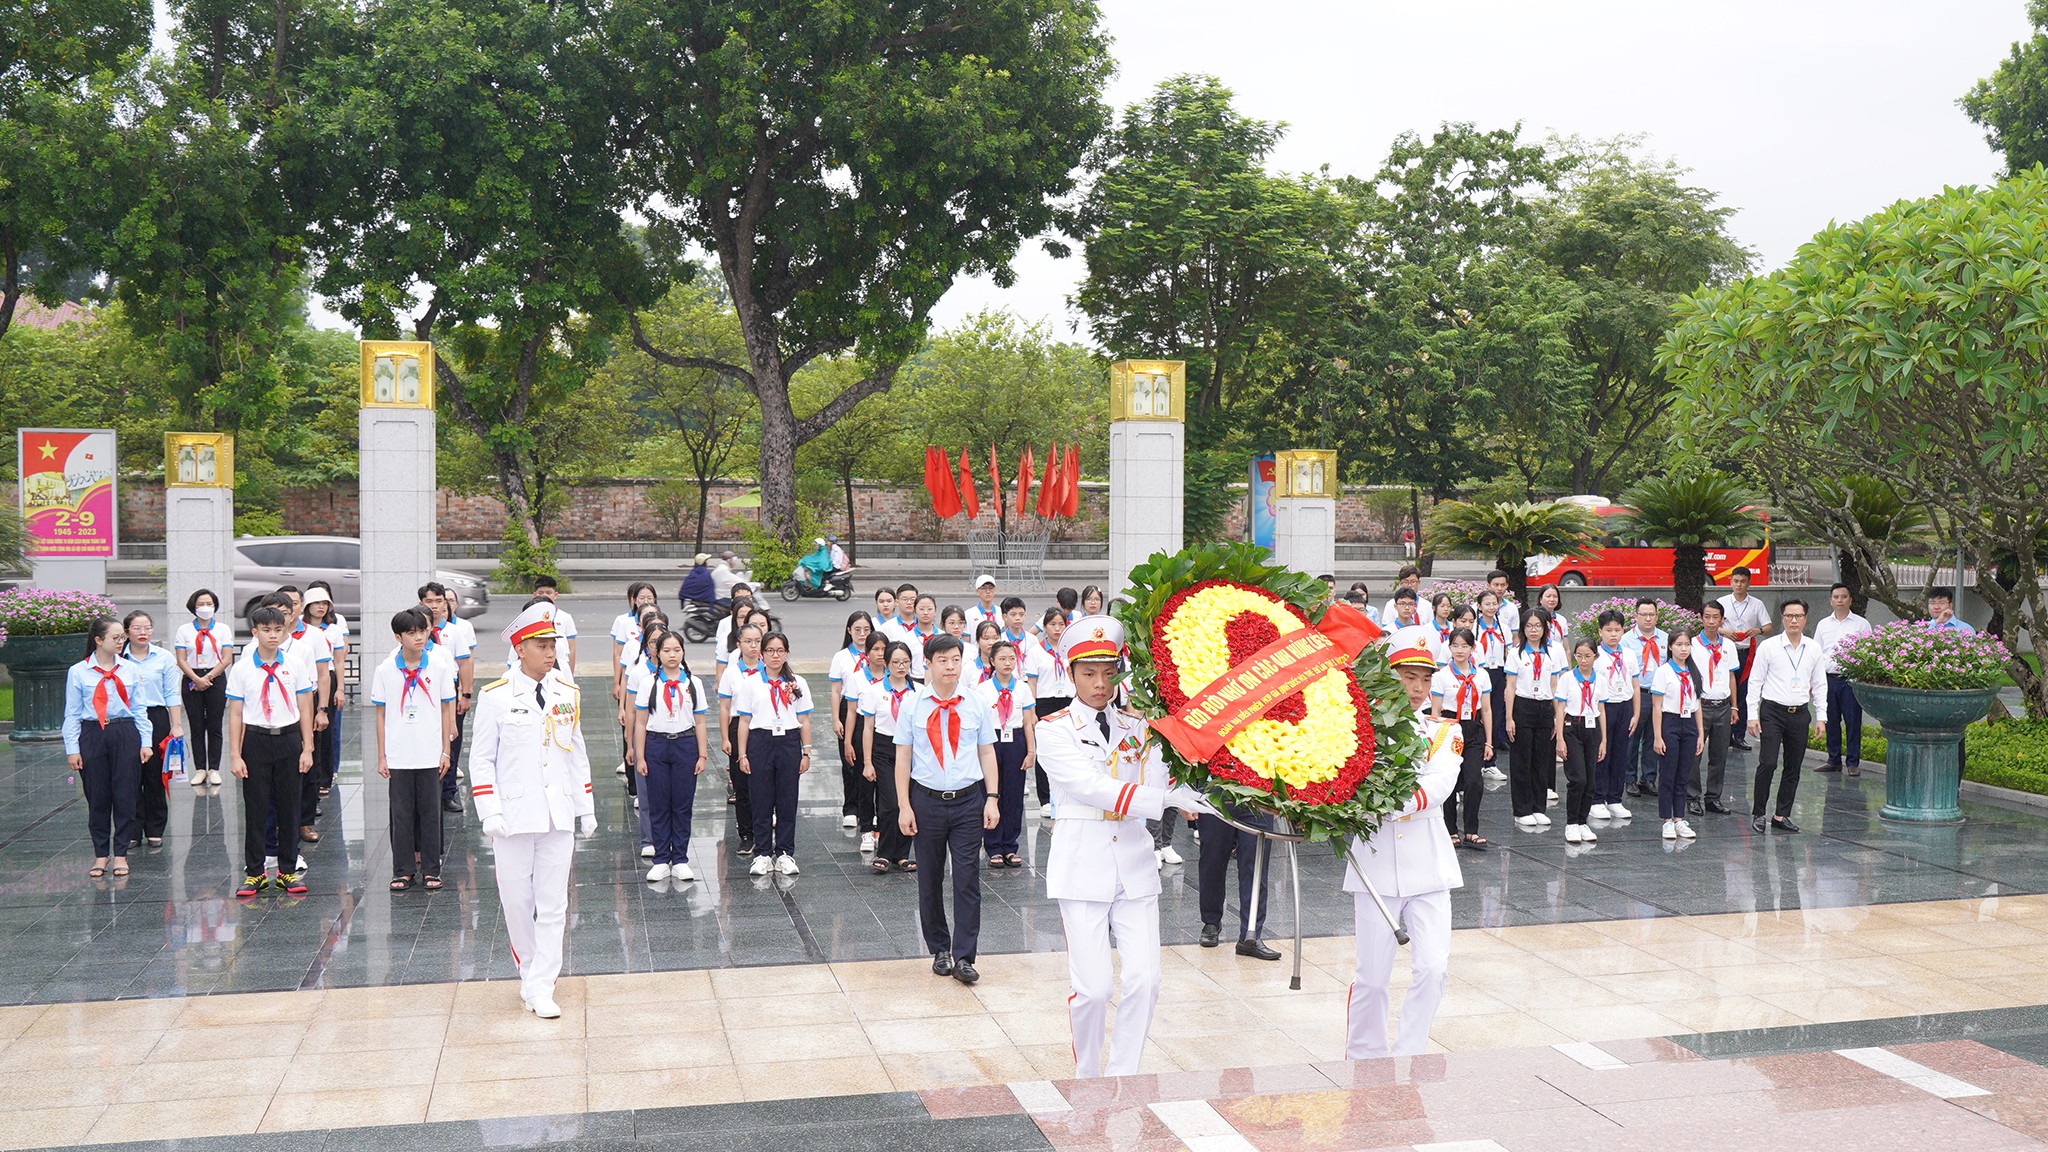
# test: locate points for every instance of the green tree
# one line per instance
(1686, 513)
(869, 442)
(1868, 520)
(1510, 533)
(1905, 347)
(2011, 104)
(844, 164)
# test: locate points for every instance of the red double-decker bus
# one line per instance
(1633, 564)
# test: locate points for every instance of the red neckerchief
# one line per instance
(1488, 633)
(869, 672)
(778, 694)
(270, 677)
(949, 726)
(203, 633)
(1684, 689)
(1467, 683)
(1004, 699)
(1537, 669)
(1650, 653)
(1585, 691)
(1618, 664)
(1059, 665)
(670, 691)
(896, 701)
(1443, 633)
(1713, 655)
(414, 678)
(99, 691)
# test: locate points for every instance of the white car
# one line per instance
(265, 563)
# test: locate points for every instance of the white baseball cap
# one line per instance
(984, 579)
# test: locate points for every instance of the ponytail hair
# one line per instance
(100, 627)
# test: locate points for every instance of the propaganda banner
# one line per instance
(67, 492)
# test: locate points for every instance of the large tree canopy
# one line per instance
(1907, 347)
(2011, 104)
(844, 162)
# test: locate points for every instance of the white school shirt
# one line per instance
(1789, 677)
(734, 675)
(1830, 632)
(976, 614)
(336, 633)
(278, 707)
(1390, 619)
(1444, 690)
(845, 664)
(1440, 642)
(307, 657)
(1581, 697)
(638, 673)
(463, 635)
(219, 638)
(1050, 676)
(1021, 700)
(664, 714)
(916, 639)
(626, 626)
(770, 711)
(1490, 647)
(1740, 621)
(1617, 670)
(885, 705)
(1715, 666)
(1534, 671)
(412, 716)
(1672, 686)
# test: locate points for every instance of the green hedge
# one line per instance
(2008, 754)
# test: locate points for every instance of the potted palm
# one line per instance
(1925, 687)
(1511, 532)
(1687, 513)
(44, 634)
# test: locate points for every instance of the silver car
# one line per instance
(264, 563)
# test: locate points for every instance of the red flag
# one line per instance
(969, 500)
(938, 480)
(1049, 488)
(1073, 504)
(1024, 482)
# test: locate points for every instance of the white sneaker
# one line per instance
(199, 778)
(1492, 773)
(681, 872)
(1550, 794)
(647, 851)
(849, 821)
(1158, 858)
(544, 1006)
(1586, 834)
(1169, 855)
(1618, 812)
(867, 843)
(762, 866)
(1685, 830)
(657, 873)
(213, 775)
(620, 770)
(1542, 819)
(1527, 822)
(270, 863)
(1671, 829)
(1599, 812)
(303, 866)
(786, 864)
(1571, 833)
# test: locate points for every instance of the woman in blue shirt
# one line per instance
(106, 739)
(156, 676)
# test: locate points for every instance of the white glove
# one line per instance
(588, 824)
(1188, 800)
(494, 827)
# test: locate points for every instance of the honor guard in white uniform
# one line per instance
(530, 777)
(1107, 779)
(1413, 866)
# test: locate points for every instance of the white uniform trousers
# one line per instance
(1088, 924)
(1428, 919)
(533, 885)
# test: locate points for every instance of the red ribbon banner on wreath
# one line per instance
(1256, 685)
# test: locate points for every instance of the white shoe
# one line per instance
(270, 863)
(867, 843)
(1169, 855)
(620, 770)
(1551, 795)
(657, 873)
(681, 872)
(303, 866)
(1599, 812)
(849, 821)
(1492, 773)
(1527, 822)
(786, 864)
(1571, 833)
(1158, 858)
(544, 1006)
(647, 851)
(213, 775)
(1618, 812)
(1671, 829)
(1586, 834)
(1542, 819)
(762, 866)
(1685, 830)
(199, 778)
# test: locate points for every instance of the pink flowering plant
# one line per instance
(1461, 592)
(1670, 617)
(1909, 654)
(50, 611)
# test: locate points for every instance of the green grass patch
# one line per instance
(6, 702)
(2009, 754)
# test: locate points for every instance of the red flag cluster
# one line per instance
(1059, 490)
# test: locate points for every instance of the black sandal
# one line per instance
(431, 883)
(401, 883)
(881, 866)
(1476, 842)
(1011, 860)
(906, 865)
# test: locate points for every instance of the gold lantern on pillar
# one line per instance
(397, 374)
(1148, 390)
(1305, 472)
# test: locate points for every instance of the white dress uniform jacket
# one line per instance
(528, 764)
(1102, 794)
(1411, 853)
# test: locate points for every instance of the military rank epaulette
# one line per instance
(500, 682)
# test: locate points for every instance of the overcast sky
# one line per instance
(1795, 111)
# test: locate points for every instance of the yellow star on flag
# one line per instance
(49, 450)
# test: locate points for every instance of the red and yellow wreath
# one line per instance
(1266, 697)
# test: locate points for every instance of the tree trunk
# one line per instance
(1849, 568)
(1422, 558)
(1517, 568)
(518, 500)
(852, 533)
(1689, 576)
(778, 463)
(703, 508)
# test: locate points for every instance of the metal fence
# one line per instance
(1015, 559)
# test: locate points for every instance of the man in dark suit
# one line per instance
(1220, 842)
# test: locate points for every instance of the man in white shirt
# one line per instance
(1409, 577)
(1788, 704)
(1745, 620)
(1843, 710)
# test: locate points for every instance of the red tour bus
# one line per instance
(1621, 563)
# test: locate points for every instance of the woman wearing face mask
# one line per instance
(205, 650)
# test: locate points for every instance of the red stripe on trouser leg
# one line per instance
(1073, 1041)
(516, 961)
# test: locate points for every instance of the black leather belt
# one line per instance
(268, 731)
(955, 794)
(671, 735)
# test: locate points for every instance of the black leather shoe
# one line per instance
(1695, 808)
(1784, 824)
(454, 806)
(942, 964)
(1717, 808)
(1256, 949)
(1212, 935)
(1635, 789)
(1741, 745)
(1830, 766)
(1757, 823)
(964, 972)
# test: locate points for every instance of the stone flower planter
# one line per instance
(1923, 734)
(38, 665)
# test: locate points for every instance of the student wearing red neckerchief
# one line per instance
(1460, 694)
(205, 651)
(1533, 668)
(1581, 738)
(846, 668)
(1008, 696)
(1715, 657)
(669, 753)
(883, 704)
(271, 700)
(106, 740)
(947, 799)
(1675, 720)
(773, 713)
(412, 694)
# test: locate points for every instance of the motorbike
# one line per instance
(700, 619)
(836, 584)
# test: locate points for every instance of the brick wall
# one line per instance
(622, 510)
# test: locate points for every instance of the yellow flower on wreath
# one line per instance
(1299, 753)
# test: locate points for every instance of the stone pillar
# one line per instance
(397, 487)
(199, 552)
(1305, 511)
(1147, 462)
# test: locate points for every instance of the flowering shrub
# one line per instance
(1462, 592)
(1670, 616)
(50, 611)
(1909, 654)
